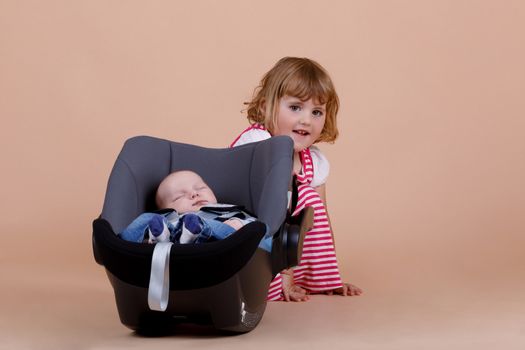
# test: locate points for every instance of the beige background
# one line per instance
(426, 193)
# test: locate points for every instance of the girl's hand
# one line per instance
(292, 292)
(295, 293)
(346, 289)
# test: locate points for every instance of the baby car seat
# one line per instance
(223, 283)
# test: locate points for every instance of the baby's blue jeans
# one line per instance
(212, 229)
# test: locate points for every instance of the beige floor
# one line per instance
(59, 305)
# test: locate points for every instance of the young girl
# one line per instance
(297, 98)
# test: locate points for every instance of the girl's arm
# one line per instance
(321, 190)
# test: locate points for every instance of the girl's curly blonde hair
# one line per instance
(297, 77)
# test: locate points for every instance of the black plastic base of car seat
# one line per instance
(234, 305)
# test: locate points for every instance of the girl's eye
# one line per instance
(317, 113)
(294, 108)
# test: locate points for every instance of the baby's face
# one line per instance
(184, 191)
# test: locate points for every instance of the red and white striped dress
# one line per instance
(318, 270)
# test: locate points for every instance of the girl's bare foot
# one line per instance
(346, 289)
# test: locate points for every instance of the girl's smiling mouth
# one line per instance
(301, 132)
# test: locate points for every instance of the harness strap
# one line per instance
(159, 281)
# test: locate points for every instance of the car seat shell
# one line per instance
(224, 283)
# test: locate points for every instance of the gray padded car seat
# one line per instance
(222, 283)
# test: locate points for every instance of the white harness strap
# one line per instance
(159, 281)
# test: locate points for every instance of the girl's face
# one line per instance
(303, 121)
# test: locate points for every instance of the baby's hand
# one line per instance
(291, 291)
(235, 223)
(346, 289)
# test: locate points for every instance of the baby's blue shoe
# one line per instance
(191, 228)
(158, 230)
